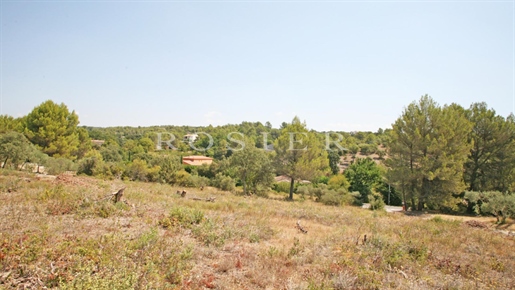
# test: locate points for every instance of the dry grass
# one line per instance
(60, 233)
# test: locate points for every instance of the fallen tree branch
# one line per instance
(117, 196)
(301, 228)
(209, 199)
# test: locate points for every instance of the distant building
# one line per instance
(196, 160)
(190, 138)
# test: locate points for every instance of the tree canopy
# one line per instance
(428, 151)
(53, 129)
(299, 153)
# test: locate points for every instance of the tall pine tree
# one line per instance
(427, 152)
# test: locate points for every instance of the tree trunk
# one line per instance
(244, 184)
(292, 184)
(5, 162)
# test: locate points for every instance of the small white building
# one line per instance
(190, 138)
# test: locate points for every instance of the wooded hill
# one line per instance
(434, 157)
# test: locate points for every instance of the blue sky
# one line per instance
(338, 65)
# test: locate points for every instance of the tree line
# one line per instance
(433, 157)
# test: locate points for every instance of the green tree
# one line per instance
(334, 161)
(363, 175)
(500, 205)
(147, 144)
(8, 123)
(84, 143)
(15, 149)
(492, 138)
(111, 152)
(169, 167)
(253, 167)
(53, 128)
(299, 153)
(428, 150)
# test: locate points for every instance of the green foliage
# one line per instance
(353, 148)
(332, 197)
(368, 149)
(253, 168)
(53, 128)
(500, 205)
(139, 170)
(111, 153)
(15, 150)
(428, 151)
(223, 182)
(57, 166)
(197, 181)
(363, 175)
(169, 167)
(491, 162)
(395, 197)
(299, 153)
(321, 180)
(185, 216)
(334, 161)
(8, 123)
(327, 196)
(338, 181)
(376, 201)
(284, 187)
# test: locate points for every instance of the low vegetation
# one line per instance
(67, 233)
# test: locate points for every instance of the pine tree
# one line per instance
(299, 153)
(427, 152)
(490, 161)
(53, 128)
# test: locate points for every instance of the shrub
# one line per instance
(197, 181)
(137, 170)
(283, 187)
(338, 181)
(55, 166)
(376, 201)
(495, 203)
(303, 190)
(331, 197)
(224, 182)
(321, 180)
(90, 166)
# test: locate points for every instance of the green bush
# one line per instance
(338, 181)
(303, 190)
(283, 187)
(376, 201)
(224, 182)
(500, 205)
(55, 166)
(197, 181)
(331, 197)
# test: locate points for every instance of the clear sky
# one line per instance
(338, 65)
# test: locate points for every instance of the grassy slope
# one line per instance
(56, 234)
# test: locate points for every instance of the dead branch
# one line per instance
(301, 228)
(117, 196)
(359, 235)
(209, 199)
